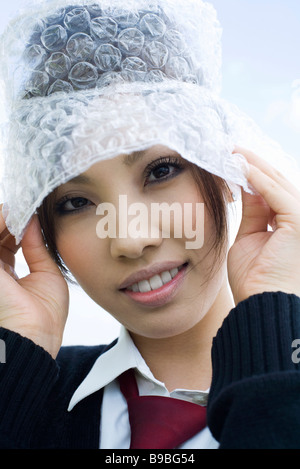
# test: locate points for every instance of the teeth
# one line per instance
(144, 286)
(166, 277)
(154, 282)
(174, 272)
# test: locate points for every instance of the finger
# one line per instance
(8, 247)
(3, 228)
(268, 169)
(35, 251)
(285, 205)
(255, 215)
(9, 242)
(7, 256)
(9, 270)
(4, 233)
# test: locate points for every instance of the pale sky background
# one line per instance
(261, 74)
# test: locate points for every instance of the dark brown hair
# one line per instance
(213, 190)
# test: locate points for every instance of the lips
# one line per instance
(155, 286)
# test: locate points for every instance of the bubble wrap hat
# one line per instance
(88, 80)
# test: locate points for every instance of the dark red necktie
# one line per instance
(159, 422)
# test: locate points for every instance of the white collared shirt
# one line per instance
(115, 427)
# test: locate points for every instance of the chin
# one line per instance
(166, 329)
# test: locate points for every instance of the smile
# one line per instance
(155, 282)
(158, 289)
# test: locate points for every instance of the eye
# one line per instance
(162, 169)
(69, 205)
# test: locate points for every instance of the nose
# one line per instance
(132, 247)
(131, 229)
(134, 234)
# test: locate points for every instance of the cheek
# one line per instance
(80, 249)
(88, 262)
(188, 216)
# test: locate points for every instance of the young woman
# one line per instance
(187, 333)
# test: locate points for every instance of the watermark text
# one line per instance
(296, 353)
(2, 351)
(160, 220)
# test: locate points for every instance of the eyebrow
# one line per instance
(81, 179)
(130, 159)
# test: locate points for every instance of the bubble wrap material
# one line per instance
(89, 80)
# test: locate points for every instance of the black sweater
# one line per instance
(254, 401)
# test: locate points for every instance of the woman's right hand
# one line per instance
(35, 306)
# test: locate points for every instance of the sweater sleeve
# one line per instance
(27, 376)
(254, 400)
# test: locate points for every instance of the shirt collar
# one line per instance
(123, 356)
(111, 364)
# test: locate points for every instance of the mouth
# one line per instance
(158, 289)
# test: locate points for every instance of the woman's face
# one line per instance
(153, 284)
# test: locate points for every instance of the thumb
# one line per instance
(35, 251)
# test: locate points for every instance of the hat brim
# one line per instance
(55, 138)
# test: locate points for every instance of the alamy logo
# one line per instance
(2, 351)
(161, 220)
(296, 353)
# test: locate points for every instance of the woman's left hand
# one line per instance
(261, 260)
